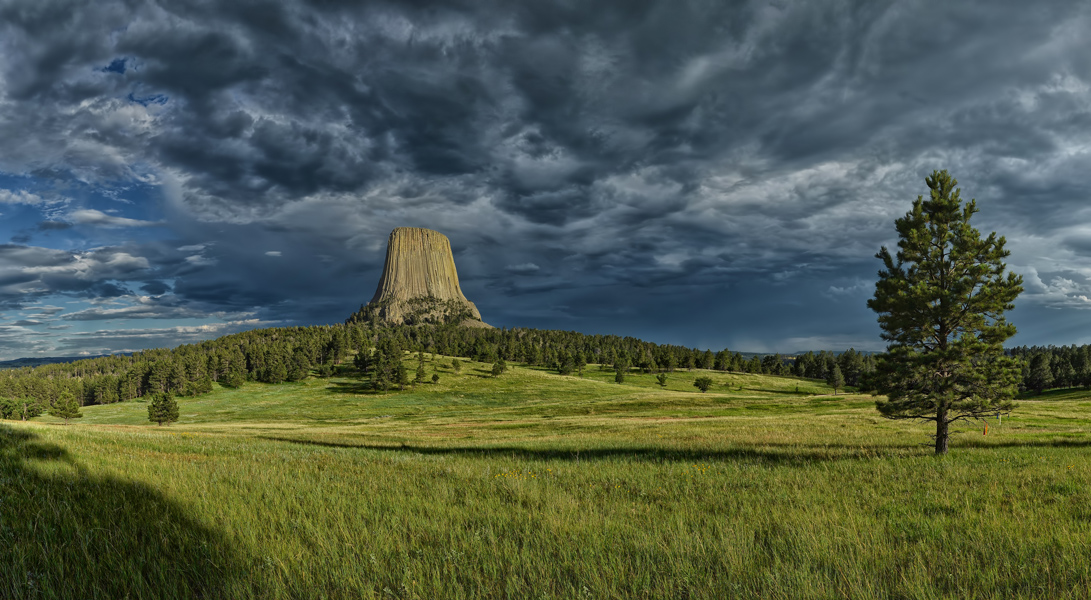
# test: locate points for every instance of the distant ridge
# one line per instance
(19, 363)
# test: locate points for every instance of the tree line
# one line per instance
(268, 355)
(277, 355)
(1051, 367)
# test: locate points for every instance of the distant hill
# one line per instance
(19, 363)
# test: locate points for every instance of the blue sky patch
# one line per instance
(116, 66)
(148, 100)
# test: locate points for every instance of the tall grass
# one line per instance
(534, 485)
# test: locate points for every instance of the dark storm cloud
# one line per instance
(160, 307)
(155, 288)
(593, 163)
(107, 341)
(20, 341)
(28, 273)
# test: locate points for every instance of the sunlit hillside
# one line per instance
(537, 485)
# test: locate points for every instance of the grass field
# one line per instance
(534, 485)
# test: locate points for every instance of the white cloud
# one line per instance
(859, 287)
(20, 197)
(42, 311)
(142, 307)
(200, 260)
(523, 268)
(100, 219)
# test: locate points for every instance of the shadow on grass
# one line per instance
(68, 533)
(844, 392)
(732, 388)
(777, 454)
(790, 455)
(1043, 443)
(361, 387)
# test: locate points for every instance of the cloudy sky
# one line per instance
(709, 173)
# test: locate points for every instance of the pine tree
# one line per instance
(421, 373)
(203, 385)
(564, 364)
(163, 408)
(835, 379)
(941, 308)
(661, 379)
(401, 375)
(29, 408)
(66, 407)
(234, 377)
(1041, 376)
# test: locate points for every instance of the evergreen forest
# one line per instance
(373, 352)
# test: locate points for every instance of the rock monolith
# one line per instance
(420, 283)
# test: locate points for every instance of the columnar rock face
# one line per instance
(419, 282)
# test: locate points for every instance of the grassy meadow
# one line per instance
(536, 485)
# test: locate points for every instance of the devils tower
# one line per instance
(420, 283)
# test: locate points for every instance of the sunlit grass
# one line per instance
(534, 485)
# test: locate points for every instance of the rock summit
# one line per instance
(420, 282)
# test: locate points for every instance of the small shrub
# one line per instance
(702, 383)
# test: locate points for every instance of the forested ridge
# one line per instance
(374, 352)
(277, 355)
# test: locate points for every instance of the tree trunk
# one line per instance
(941, 433)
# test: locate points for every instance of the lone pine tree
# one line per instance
(66, 407)
(835, 379)
(163, 408)
(941, 307)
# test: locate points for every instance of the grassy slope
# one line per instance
(537, 485)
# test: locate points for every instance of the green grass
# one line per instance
(534, 485)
